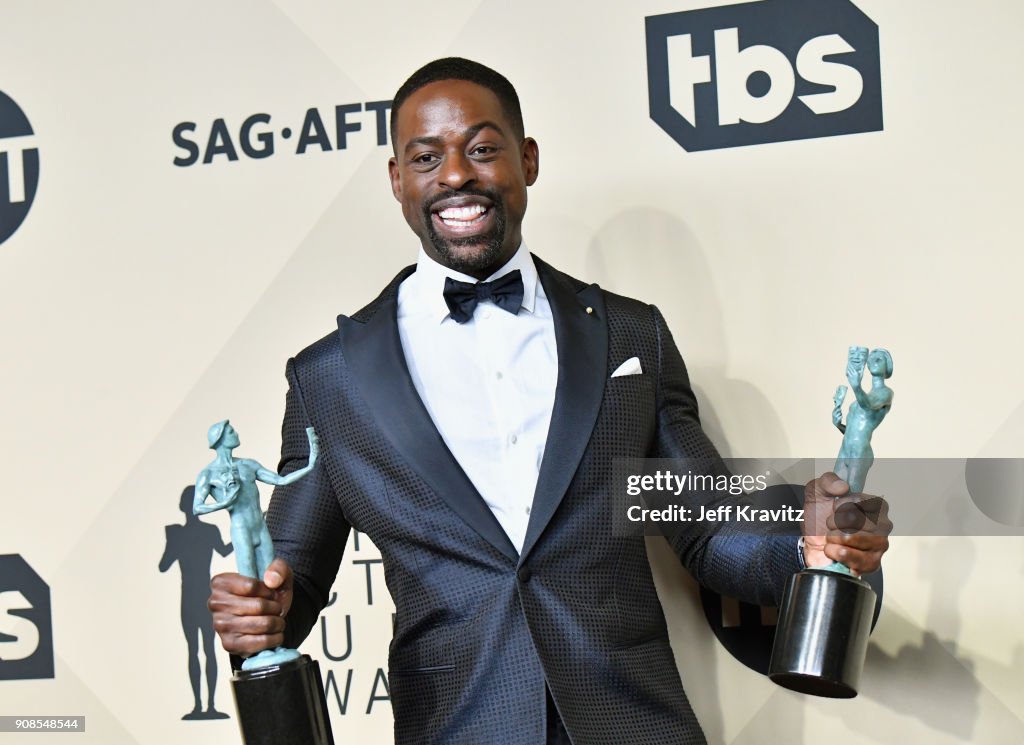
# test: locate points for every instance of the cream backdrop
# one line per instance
(142, 301)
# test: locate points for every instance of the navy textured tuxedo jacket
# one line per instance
(479, 629)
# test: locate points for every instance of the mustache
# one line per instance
(470, 191)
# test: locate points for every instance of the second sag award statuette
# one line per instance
(825, 617)
(279, 693)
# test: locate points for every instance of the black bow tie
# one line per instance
(461, 297)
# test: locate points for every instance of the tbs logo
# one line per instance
(19, 167)
(26, 631)
(762, 72)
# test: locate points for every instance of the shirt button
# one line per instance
(527, 510)
(513, 439)
(498, 375)
(486, 313)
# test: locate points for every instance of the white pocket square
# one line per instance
(629, 367)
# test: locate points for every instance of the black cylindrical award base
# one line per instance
(822, 635)
(282, 704)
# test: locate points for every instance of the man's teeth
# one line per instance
(462, 215)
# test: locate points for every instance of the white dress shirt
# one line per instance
(488, 384)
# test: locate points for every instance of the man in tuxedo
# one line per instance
(468, 420)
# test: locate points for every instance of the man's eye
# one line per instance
(425, 158)
(483, 150)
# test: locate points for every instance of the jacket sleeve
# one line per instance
(751, 564)
(305, 518)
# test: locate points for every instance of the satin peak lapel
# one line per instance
(581, 338)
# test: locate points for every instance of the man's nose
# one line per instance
(456, 171)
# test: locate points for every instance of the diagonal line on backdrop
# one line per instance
(782, 713)
(112, 547)
(961, 656)
(258, 302)
(968, 662)
(86, 693)
(455, 32)
(298, 27)
(73, 554)
(243, 320)
(752, 721)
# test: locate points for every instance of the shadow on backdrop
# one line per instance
(192, 546)
(654, 256)
(945, 697)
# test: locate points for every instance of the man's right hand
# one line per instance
(248, 615)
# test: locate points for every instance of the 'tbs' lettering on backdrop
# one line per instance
(26, 631)
(19, 167)
(760, 72)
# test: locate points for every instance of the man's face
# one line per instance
(461, 173)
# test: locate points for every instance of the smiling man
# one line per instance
(468, 420)
(461, 169)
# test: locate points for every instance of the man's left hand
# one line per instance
(839, 526)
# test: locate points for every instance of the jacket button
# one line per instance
(524, 574)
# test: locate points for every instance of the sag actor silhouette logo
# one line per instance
(761, 72)
(19, 167)
(191, 545)
(26, 630)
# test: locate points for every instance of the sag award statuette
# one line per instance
(825, 617)
(278, 693)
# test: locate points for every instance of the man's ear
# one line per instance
(531, 160)
(396, 178)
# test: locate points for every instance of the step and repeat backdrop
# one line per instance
(191, 192)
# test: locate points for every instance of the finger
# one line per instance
(242, 606)
(225, 624)
(883, 515)
(861, 541)
(850, 519)
(833, 551)
(238, 584)
(884, 527)
(278, 575)
(873, 507)
(862, 562)
(250, 644)
(828, 486)
(819, 502)
(863, 508)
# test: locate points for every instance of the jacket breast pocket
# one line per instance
(628, 415)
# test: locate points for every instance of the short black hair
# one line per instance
(458, 68)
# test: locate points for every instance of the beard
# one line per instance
(456, 251)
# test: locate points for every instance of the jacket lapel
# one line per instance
(581, 338)
(373, 350)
